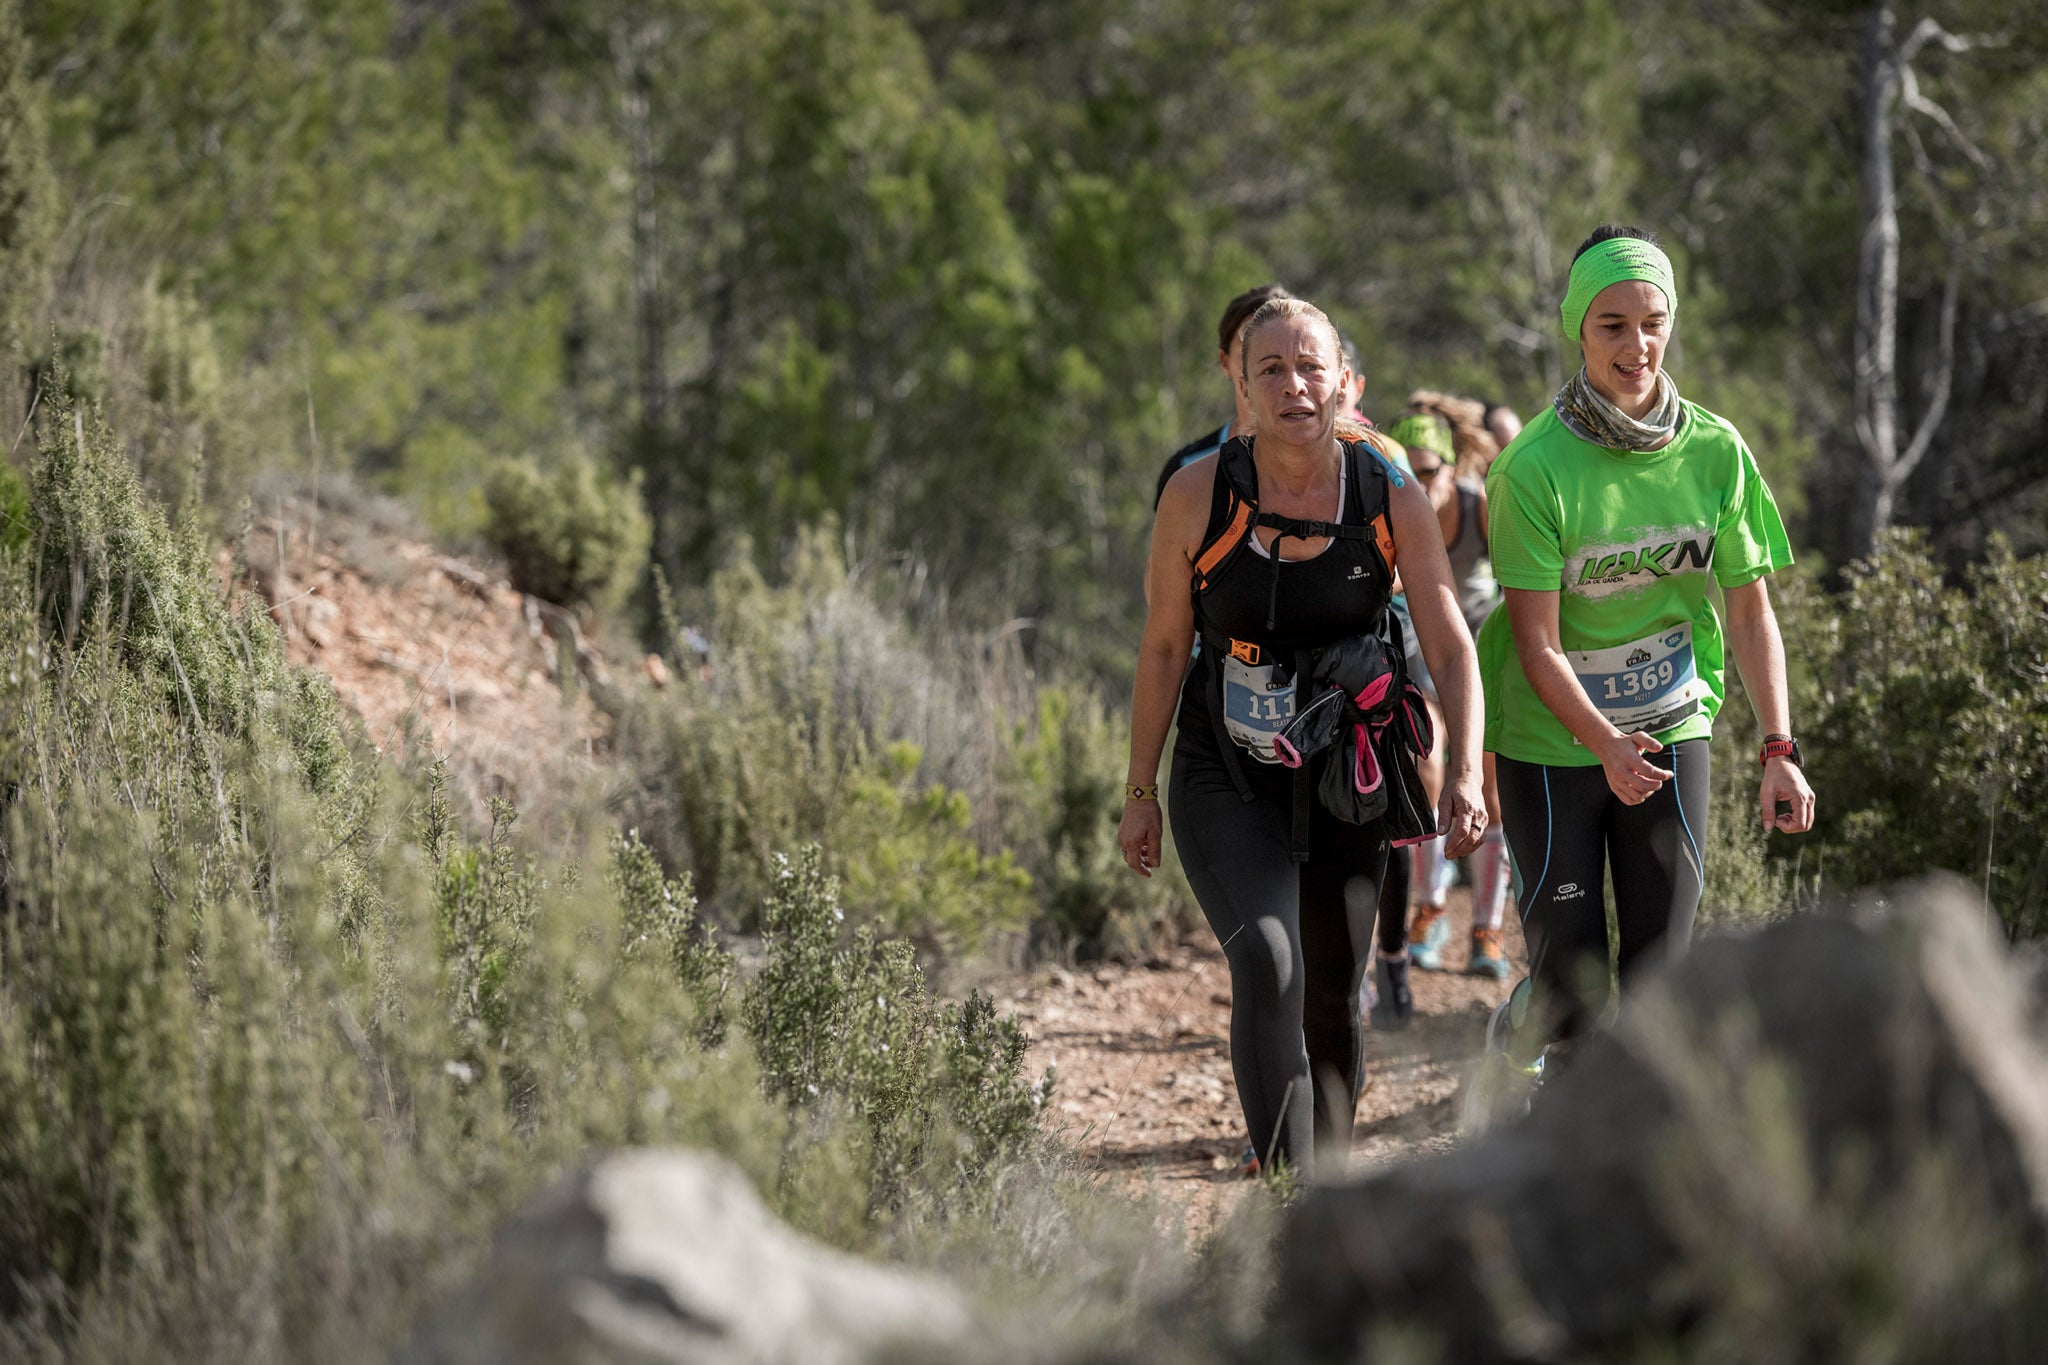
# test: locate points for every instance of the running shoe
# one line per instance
(1508, 1077)
(1489, 955)
(1248, 1164)
(1508, 1039)
(1396, 1006)
(1428, 936)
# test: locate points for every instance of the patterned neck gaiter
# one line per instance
(1590, 417)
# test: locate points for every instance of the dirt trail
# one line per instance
(1142, 1055)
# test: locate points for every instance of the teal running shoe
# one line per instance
(1489, 955)
(1428, 936)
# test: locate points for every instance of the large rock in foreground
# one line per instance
(656, 1257)
(1825, 1141)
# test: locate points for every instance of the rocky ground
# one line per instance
(433, 651)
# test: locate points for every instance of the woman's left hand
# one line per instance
(1461, 814)
(1139, 835)
(1784, 782)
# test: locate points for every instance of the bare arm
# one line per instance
(1532, 613)
(1759, 653)
(1453, 663)
(1163, 651)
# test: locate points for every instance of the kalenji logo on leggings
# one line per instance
(1619, 569)
(1568, 891)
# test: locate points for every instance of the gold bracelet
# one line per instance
(1134, 792)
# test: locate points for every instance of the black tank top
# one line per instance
(1246, 611)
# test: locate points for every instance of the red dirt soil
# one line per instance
(433, 652)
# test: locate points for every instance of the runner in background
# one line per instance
(1609, 519)
(1228, 360)
(1450, 450)
(1502, 424)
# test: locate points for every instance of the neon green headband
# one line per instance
(1611, 262)
(1424, 431)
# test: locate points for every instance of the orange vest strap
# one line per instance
(1382, 528)
(1220, 548)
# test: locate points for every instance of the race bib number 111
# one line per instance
(1258, 701)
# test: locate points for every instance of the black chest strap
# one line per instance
(1234, 515)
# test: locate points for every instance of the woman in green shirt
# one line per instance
(1608, 517)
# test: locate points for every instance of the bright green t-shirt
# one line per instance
(1628, 541)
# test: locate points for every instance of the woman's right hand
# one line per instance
(1140, 834)
(1630, 776)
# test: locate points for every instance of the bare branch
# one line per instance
(1944, 377)
(1910, 96)
(1928, 30)
(1525, 339)
(1921, 161)
(1866, 436)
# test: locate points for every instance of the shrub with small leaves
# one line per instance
(659, 921)
(14, 513)
(937, 1087)
(910, 863)
(1924, 707)
(486, 897)
(571, 534)
(1062, 775)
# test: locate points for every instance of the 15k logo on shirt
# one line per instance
(1618, 569)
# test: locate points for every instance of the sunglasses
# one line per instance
(1429, 473)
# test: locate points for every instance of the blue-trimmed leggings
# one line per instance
(1565, 830)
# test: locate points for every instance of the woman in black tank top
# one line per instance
(1288, 889)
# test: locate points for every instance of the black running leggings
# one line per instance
(1565, 829)
(1296, 936)
(1393, 922)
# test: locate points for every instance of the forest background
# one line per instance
(851, 335)
(942, 277)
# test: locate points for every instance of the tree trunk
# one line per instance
(1877, 282)
(1888, 82)
(650, 312)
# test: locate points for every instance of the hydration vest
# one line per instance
(1253, 640)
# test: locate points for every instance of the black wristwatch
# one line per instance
(1781, 746)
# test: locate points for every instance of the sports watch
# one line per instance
(1781, 746)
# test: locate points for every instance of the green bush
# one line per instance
(29, 196)
(15, 523)
(1746, 885)
(1925, 713)
(911, 864)
(280, 1043)
(822, 716)
(570, 534)
(1063, 776)
(937, 1088)
(659, 922)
